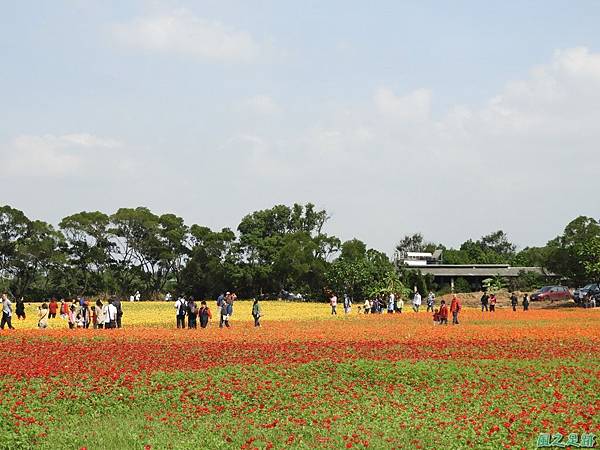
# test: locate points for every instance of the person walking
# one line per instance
(455, 308)
(416, 302)
(52, 309)
(430, 301)
(72, 316)
(20, 309)
(347, 304)
(224, 322)
(333, 303)
(391, 304)
(191, 313)
(204, 314)
(525, 302)
(110, 315)
(85, 314)
(392, 300)
(366, 306)
(117, 304)
(229, 301)
(399, 305)
(43, 316)
(64, 309)
(514, 301)
(493, 302)
(220, 300)
(99, 310)
(443, 314)
(484, 302)
(256, 312)
(6, 312)
(181, 309)
(375, 305)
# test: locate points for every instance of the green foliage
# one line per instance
(281, 248)
(416, 279)
(494, 248)
(462, 285)
(573, 254)
(527, 281)
(360, 272)
(589, 257)
(494, 284)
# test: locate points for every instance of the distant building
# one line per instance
(432, 264)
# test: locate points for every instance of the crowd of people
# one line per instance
(393, 303)
(77, 313)
(84, 313)
(189, 309)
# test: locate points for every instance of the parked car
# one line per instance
(552, 293)
(592, 288)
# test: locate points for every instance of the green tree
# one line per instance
(212, 264)
(285, 248)
(571, 255)
(149, 249)
(27, 251)
(89, 248)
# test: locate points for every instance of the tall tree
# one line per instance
(148, 247)
(570, 253)
(89, 248)
(27, 250)
(268, 236)
(211, 268)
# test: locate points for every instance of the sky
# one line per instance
(453, 119)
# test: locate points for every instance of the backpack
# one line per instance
(192, 308)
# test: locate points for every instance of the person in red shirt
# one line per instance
(52, 309)
(64, 309)
(443, 314)
(455, 308)
(436, 317)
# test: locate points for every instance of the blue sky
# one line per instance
(451, 119)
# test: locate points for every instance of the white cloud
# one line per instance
(261, 105)
(181, 32)
(56, 156)
(531, 147)
(413, 106)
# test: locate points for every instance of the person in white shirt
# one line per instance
(138, 296)
(416, 301)
(391, 305)
(430, 301)
(110, 315)
(6, 312)
(333, 303)
(181, 309)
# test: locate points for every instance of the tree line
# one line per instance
(573, 256)
(273, 252)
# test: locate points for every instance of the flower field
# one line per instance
(303, 380)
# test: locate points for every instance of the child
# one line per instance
(443, 314)
(436, 317)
